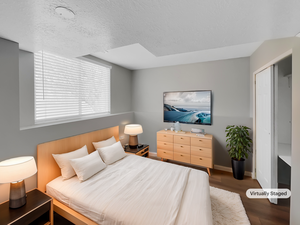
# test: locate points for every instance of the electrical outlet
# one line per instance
(121, 137)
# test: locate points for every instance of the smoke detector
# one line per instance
(65, 12)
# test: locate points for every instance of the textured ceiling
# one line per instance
(163, 27)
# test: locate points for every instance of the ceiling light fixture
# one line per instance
(65, 12)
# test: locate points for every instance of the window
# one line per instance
(69, 88)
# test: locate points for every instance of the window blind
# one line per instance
(69, 88)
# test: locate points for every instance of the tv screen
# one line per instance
(191, 107)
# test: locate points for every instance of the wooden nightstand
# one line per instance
(143, 151)
(37, 210)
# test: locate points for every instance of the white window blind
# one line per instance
(69, 88)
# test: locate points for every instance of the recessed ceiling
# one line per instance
(136, 57)
(163, 28)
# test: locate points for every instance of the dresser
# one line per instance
(185, 147)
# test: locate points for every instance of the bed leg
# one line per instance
(208, 171)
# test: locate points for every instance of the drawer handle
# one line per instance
(181, 138)
(165, 136)
(164, 152)
(181, 146)
(165, 143)
(200, 158)
(200, 140)
(200, 149)
(181, 155)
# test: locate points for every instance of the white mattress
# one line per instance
(141, 191)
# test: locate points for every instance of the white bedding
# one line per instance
(139, 191)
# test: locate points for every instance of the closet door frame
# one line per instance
(272, 62)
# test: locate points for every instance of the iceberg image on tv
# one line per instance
(193, 107)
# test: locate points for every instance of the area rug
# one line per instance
(227, 208)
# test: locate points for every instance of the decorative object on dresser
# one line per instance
(142, 150)
(197, 131)
(177, 126)
(238, 140)
(39, 210)
(185, 147)
(133, 130)
(14, 171)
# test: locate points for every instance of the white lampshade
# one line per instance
(133, 129)
(16, 169)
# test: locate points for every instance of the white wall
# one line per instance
(268, 51)
(229, 82)
(284, 102)
(16, 142)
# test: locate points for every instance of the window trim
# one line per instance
(71, 121)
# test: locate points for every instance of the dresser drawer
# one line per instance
(186, 149)
(182, 157)
(201, 161)
(165, 145)
(199, 151)
(164, 154)
(182, 140)
(201, 142)
(165, 137)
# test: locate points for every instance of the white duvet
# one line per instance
(139, 191)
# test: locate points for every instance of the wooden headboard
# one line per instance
(47, 167)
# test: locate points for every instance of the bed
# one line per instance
(133, 190)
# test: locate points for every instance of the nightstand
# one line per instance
(142, 151)
(37, 210)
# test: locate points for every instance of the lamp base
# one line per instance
(17, 196)
(133, 141)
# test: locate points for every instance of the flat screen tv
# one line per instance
(190, 107)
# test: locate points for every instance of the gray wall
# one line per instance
(16, 142)
(229, 82)
(267, 52)
(26, 88)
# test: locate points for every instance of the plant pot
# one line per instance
(238, 168)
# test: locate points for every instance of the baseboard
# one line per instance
(229, 169)
(153, 154)
(217, 167)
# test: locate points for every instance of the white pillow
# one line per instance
(105, 143)
(113, 153)
(63, 161)
(88, 165)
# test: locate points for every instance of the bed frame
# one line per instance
(49, 170)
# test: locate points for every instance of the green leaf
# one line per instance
(238, 140)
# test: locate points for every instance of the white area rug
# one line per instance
(227, 208)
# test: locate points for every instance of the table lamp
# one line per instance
(133, 130)
(14, 171)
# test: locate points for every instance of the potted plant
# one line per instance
(238, 140)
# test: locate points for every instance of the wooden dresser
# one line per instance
(185, 147)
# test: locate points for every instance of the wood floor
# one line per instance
(259, 211)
